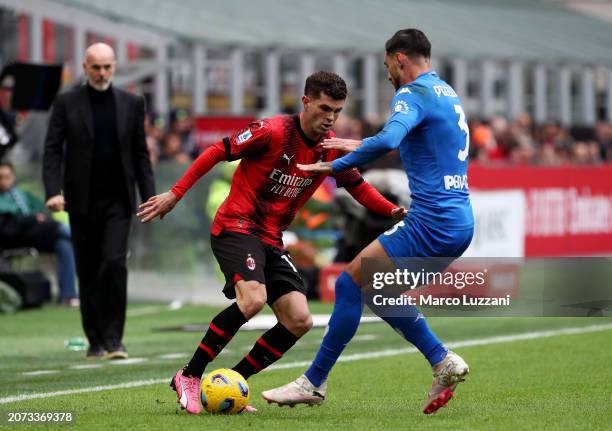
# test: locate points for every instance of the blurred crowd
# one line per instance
(172, 141)
(517, 142)
(549, 144)
(491, 141)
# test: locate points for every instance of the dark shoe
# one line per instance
(116, 350)
(95, 352)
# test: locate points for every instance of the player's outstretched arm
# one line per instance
(369, 197)
(389, 138)
(200, 167)
(158, 205)
(162, 204)
(345, 145)
(319, 167)
(359, 152)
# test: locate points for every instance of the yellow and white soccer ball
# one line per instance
(224, 391)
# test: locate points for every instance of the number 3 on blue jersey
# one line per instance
(462, 155)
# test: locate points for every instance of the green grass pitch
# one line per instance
(560, 382)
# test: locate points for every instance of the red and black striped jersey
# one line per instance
(268, 188)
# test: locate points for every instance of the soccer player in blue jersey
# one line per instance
(428, 126)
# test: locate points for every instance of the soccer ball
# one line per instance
(224, 391)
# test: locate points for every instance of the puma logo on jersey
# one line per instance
(286, 157)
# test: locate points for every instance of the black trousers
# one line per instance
(100, 240)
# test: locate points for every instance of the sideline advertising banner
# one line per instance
(499, 229)
(568, 209)
(209, 130)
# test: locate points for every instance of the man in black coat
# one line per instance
(95, 154)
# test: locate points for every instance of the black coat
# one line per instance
(70, 141)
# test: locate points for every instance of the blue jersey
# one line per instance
(428, 126)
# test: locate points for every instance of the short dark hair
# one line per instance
(329, 83)
(409, 41)
(8, 165)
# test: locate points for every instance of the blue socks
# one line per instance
(413, 327)
(343, 324)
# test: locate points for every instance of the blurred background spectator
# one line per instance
(25, 222)
(172, 149)
(154, 129)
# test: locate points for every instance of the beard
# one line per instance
(395, 83)
(99, 86)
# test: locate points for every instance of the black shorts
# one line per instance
(246, 257)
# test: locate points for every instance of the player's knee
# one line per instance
(305, 323)
(299, 324)
(251, 306)
(353, 269)
(253, 298)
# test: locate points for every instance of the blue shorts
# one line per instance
(413, 238)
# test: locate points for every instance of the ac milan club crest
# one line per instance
(250, 263)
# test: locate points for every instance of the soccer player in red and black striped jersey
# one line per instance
(246, 237)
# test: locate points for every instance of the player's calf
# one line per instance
(220, 332)
(291, 309)
(268, 349)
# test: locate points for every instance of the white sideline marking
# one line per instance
(346, 358)
(85, 366)
(176, 355)
(39, 372)
(266, 321)
(129, 361)
(134, 384)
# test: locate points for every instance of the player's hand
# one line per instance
(158, 205)
(399, 213)
(346, 145)
(55, 203)
(319, 167)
